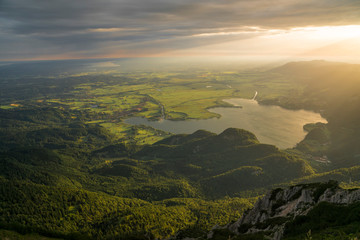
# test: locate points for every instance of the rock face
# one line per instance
(279, 206)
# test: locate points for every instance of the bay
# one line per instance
(271, 124)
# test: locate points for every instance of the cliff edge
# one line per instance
(275, 215)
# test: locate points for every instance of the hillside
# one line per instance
(59, 152)
(53, 167)
(334, 90)
(225, 164)
(316, 211)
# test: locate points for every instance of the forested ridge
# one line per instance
(71, 179)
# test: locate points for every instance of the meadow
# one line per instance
(174, 96)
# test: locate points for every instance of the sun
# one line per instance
(333, 33)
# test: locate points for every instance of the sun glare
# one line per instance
(333, 33)
(324, 34)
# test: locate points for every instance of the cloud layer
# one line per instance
(94, 28)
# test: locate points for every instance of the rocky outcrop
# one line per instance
(275, 209)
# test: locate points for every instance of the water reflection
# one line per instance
(271, 124)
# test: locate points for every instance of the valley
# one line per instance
(73, 167)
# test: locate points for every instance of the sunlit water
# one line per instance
(271, 124)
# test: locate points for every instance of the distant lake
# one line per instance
(271, 124)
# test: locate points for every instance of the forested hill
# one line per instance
(204, 159)
(327, 85)
(70, 179)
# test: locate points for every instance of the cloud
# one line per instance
(93, 27)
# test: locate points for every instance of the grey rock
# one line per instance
(289, 203)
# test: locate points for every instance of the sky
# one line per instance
(77, 29)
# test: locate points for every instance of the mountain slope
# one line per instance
(224, 164)
(292, 213)
(334, 90)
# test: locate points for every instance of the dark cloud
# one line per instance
(85, 25)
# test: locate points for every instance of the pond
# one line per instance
(271, 124)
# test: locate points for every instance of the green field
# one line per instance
(108, 100)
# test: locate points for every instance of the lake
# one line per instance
(271, 124)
